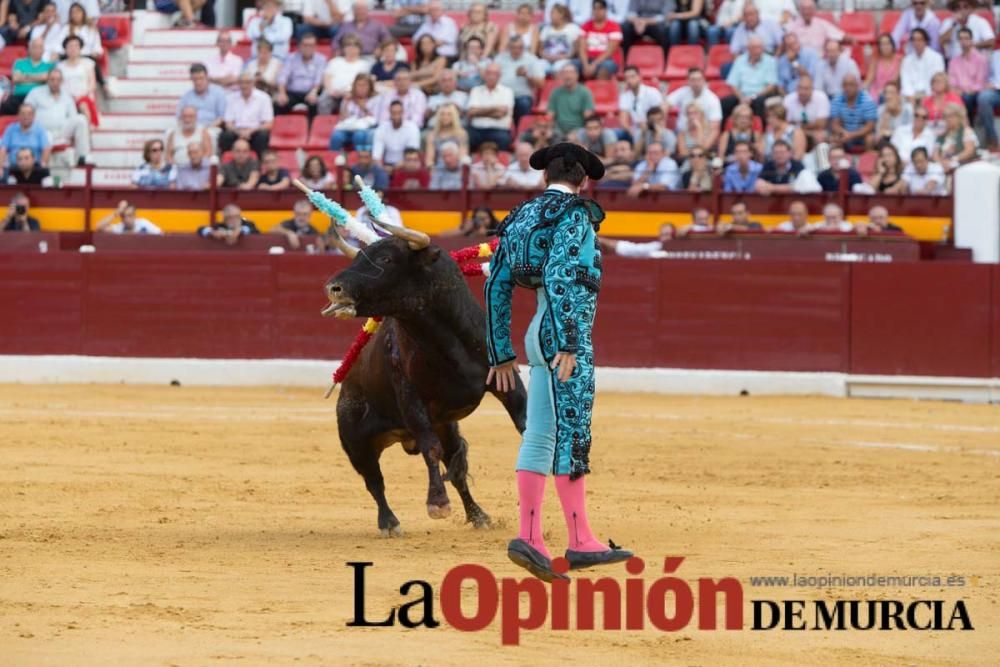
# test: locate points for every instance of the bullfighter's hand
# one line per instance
(504, 376)
(565, 362)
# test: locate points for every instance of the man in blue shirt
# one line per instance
(208, 98)
(741, 175)
(795, 61)
(852, 117)
(754, 77)
(25, 133)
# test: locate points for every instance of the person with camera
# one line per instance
(17, 219)
(127, 223)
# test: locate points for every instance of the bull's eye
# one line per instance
(385, 260)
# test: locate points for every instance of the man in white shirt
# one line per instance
(273, 26)
(908, 137)
(919, 67)
(833, 67)
(395, 136)
(442, 28)
(635, 101)
(798, 219)
(923, 176)
(491, 111)
(412, 98)
(656, 173)
(127, 223)
(833, 221)
(323, 18)
(448, 93)
(779, 11)
(249, 115)
(224, 68)
(519, 174)
(696, 91)
(982, 31)
(809, 109)
(56, 112)
(641, 250)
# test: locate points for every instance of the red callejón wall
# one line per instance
(913, 318)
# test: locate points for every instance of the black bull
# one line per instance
(424, 370)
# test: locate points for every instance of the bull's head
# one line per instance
(391, 277)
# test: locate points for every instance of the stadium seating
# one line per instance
(290, 131)
(121, 24)
(543, 97)
(682, 58)
(858, 53)
(889, 20)
(319, 133)
(8, 55)
(718, 56)
(721, 89)
(605, 96)
(860, 26)
(648, 58)
(866, 163)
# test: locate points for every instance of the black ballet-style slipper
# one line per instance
(582, 559)
(531, 559)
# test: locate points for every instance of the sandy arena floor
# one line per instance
(184, 526)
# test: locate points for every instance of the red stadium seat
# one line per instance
(543, 97)
(525, 122)
(605, 96)
(6, 121)
(858, 53)
(721, 89)
(288, 160)
(289, 132)
(329, 159)
(718, 56)
(889, 20)
(681, 59)
(319, 133)
(675, 84)
(827, 16)
(866, 163)
(244, 51)
(9, 55)
(648, 58)
(860, 26)
(757, 123)
(121, 24)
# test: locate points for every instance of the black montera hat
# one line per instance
(591, 164)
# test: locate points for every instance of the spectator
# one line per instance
(559, 40)
(19, 17)
(442, 28)
(655, 130)
(649, 249)
(852, 117)
(17, 219)
(265, 68)
(127, 223)
(469, 69)
(924, 177)
(636, 100)
(829, 179)
(249, 115)
(523, 73)
(208, 98)
(878, 222)
(795, 61)
(647, 18)
(411, 174)
(187, 9)
(322, 18)
(488, 172)
(916, 135)
(919, 66)
(448, 176)
(272, 175)
(698, 176)
(657, 173)
(781, 12)
(888, 175)
(968, 73)
(447, 127)
(413, 100)
(341, 73)
(243, 171)
(393, 137)
(571, 102)
(596, 138)
(833, 222)
(369, 33)
(186, 132)
(831, 70)
(272, 26)
(581, 9)
(754, 77)
(224, 68)
(918, 16)
(231, 228)
(448, 93)
(357, 116)
(884, 67)
(541, 134)
(779, 129)
(315, 175)
(599, 43)
(520, 174)
(809, 109)
(370, 171)
(478, 25)
(79, 79)
(301, 78)
(299, 225)
(701, 223)
(57, 114)
(409, 15)
(813, 32)
(49, 30)
(739, 221)
(620, 171)
(196, 172)
(491, 108)
(685, 24)
(26, 171)
(741, 129)
(894, 113)
(941, 97)
(798, 219)
(155, 171)
(727, 16)
(427, 64)
(481, 224)
(766, 30)
(957, 143)
(387, 66)
(698, 133)
(741, 175)
(981, 35)
(988, 101)
(523, 28)
(697, 91)
(25, 134)
(28, 73)
(777, 175)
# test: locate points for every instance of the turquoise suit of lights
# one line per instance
(549, 244)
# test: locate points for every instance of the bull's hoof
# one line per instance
(439, 511)
(480, 519)
(395, 531)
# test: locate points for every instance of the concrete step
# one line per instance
(150, 87)
(158, 37)
(143, 20)
(164, 105)
(129, 141)
(158, 70)
(136, 122)
(173, 54)
(101, 177)
(116, 159)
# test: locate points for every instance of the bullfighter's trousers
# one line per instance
(556, 438)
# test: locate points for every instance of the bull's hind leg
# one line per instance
(456, 460)
(414, 414)
(365, 459)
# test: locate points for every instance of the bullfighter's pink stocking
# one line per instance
(531, 491)
(572, 496)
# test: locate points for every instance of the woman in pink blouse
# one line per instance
(941, 96)
(883, 68)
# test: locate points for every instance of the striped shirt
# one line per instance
(854, 116)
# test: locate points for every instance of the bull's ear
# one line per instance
(429, 255)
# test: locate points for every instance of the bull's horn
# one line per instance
(417, 240)
(340, 244)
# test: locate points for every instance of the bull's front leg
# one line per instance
(418, 422)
